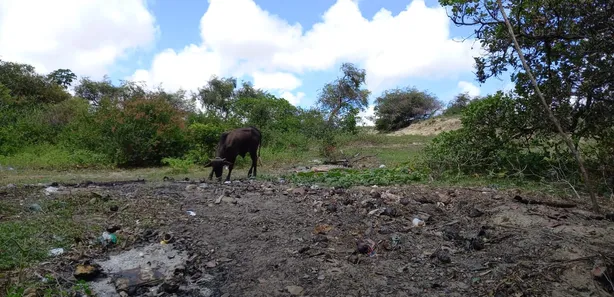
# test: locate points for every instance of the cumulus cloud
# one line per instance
(276, 81)
(86, 36)
(414, 43)
(293, 99)
(467, 87)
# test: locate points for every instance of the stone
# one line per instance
(295, 290)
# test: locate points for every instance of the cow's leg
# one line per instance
(254, 164)
(229, 171)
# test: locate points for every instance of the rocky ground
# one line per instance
(254, 238)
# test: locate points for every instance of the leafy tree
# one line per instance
(565, 44)
(458, 104)
(399, 108)
(218, 95)
(568, 47)
(28, 87)
(62, 77)
(341, 96)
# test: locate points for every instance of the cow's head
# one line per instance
(217, 165)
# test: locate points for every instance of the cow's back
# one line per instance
(242, 140)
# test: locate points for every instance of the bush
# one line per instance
(142, 131)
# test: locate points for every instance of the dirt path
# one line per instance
(264, 239)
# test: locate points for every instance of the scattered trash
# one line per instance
(51, 190)
(227, 182)
(191, 213)
(376, 211)
(35, 207)
(396, 240)
(86, 272)
(56, 252)
(366, 246)
(322, 229)
(382, 166)
(107, 238)
(418, 222)
(166, 238)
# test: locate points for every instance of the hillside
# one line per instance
(432, 126)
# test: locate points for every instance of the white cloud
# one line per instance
(276, 81)
(293, 99)
(86, 36)
(467, 87)
(414, 43)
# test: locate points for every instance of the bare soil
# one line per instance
(254, 238)
(430, 127)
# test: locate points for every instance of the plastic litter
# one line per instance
(418, 222)
(107, 238)
(56, 252)
(51, 190)
(191, 213)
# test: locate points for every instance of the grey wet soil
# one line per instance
(254, 238)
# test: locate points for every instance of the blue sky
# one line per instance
(291, 48)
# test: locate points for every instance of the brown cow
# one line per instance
(236, 142)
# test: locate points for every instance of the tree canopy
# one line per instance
(399, 108)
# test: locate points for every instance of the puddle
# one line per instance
(139, 267)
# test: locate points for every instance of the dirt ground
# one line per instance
(254, 238)
(430, 127)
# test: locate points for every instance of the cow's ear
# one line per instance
(208, 165)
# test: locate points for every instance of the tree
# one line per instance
(342, 96)
(62, 77)
(563, 70)
(568, 46)
(399, 108)
(457, 104)
(27, 86)
(218, 95)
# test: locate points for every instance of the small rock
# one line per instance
(331, 207)
(190, 187)
(385, 230)
(320, 238)
(303, 249)
(35, 208)
(298, 191)
(169, 287)
(295, 290)
(219, 199)
(390, 211)
(211, 264)
(114, 228)
(474, 213)
(229, 200)
(443, 256)
(404, 201)
(114, 208)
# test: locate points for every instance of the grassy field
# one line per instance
(381, 149)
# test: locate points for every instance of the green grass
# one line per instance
(28, 236)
